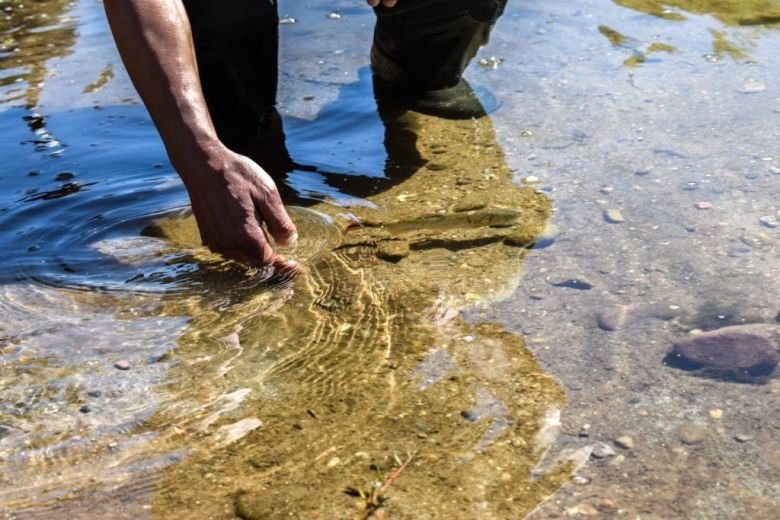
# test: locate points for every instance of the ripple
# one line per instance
(65, 402)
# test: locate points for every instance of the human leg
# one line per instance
(426, 44)
(236, 44)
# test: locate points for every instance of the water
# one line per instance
(404, 339)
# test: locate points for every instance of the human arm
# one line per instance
(231, 195)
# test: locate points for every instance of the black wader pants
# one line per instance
(418, 45)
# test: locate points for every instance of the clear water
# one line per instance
(417, 341)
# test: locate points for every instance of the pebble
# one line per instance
(548, 237)
(757, 241)
(690, 433)
(580, 480)
(470, 415)
(393, 250)
(606, 190)
(491, 62)
(774, 169)
(613, 216)
(741, 347)
(626, 442)
(769, 221)
(94, 393)
(532, 179)
(85, 408)
(606, 505)
(581, 511)
(602, 450)
(287, 20)
(703, 205)
(579, 284)
(621, 316)
(618, 460)
(740, 437)
(335, 15)
(122, 365)
(716, 413)
(752, 86)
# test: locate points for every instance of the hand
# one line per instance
(231, 198)
(386, 3)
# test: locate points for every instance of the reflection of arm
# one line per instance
(231, 195)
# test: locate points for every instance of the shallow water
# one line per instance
(136, 368)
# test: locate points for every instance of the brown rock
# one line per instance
(691, 433)
(393, 250)
(742, 347)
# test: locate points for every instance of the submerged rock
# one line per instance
(741, 347)
(621, 316)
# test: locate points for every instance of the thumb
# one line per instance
(280, 225)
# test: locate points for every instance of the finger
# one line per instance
(282, 268)
(373, 3)
(389, 3)
(278, 222)
(258, 253)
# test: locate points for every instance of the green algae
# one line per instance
(730, 12)
(615, 38)
(102, 80)
(722, 45)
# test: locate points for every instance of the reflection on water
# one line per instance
(32, 33)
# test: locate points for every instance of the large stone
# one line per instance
(742, 347)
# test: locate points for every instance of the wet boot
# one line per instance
(421, 49)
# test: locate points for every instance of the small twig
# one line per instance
(375, 499)
(393, 476)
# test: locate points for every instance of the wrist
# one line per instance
(197, 156)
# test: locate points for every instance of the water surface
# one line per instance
(443, 259)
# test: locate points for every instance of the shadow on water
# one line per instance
(368, 356)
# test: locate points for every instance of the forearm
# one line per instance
(155, 41)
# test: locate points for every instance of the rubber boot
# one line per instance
(421, 49)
